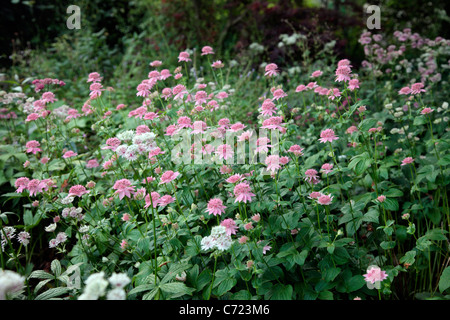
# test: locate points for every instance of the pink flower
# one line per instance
(184, 56)
(333, 93)
(21, 184)
(381, 198)
(216, 207)
(200, 97)
(266, 248)
(184, 122)
(44, 160)
(123, 188)
(316, 74)
(32, 117)
(156, 63)
(405, 90)
(262, 145)
(207, 50)
(171, 130)
(96, 90)
(271, 70)
(256, 217)
(351, 129)
(273, 163)
(169, 176)
(426, 110)
(235, 178)
(124, 244)
(243, 239)
(273, 123)
(126, 217)
(278, 94)
(217, 64)
(353, 84)
(33, 146)
(301, 88)
(165, 200)
(312, 85)
(48, 97)
(327, 168)
(268, 108)
(343, 73)
(143, 90)
(417, 88)
(225, 169)
(237, 127)
(296, 150)
(224, 151)
(179, 91)
(154, 200)
(69, 154)
(375, 274)
(314, 195)
(36, 186)
(230, 226)
(94, 77)
(327, 136)
(325, 200)
(311, 176)
(77, 190)
(407, 160)
(112, 143)
(243, 193)
(248, 226)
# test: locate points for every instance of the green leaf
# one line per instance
(386, 245)
(326, 295)
(56, 267)
(225, 286)
(393, 193)
(444, 281)
(299, 258)
(41, 274)
(355, 283)
(176, 289)
(281, 292)
(409, 257)
(53, 293)
(391, 204)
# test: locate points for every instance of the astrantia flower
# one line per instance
(92, 164)
(94, 77)
(215, 207)
(168, 176)
(77, 190)
(10, 282)
(417, 88)
(273, 163)
(230, 226)
(96, 90)
(243, 193)
(207, 50)
(381, 198)
(69, 154)
(301, 88)
(21, 184)
(296, 150)
(325, 200)
(262, 145)
(314, 195)
(311, 176)
(33, 146)
(268, 108)
(224, 151)
(333, 93)
(184, 56)
(405, 90)
(217, 64)
(179, 91)
(374, 276)
(237, 127)
(351, 129)
(112, 143)
(278, 94)
(32, 117)
(36, 186)
(154, 200)
(165, 200)
(343, 73)
(316, 74)
(326, 168)
(23, 238)
(353, 84)
(234, 178)
(123, 188)
(48, 97)
(271, 70)
(426, 110)
(407, 160)
(327, 136)
(273, 123)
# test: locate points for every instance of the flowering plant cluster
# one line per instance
(334, 188)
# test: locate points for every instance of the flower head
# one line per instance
(216, 207)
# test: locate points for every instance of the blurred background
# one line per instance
(118, 37)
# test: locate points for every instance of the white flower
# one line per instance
(83, 229)
(218, 231)
(95, 287)
(116, 294)
(119, 280)
(67, 200)
(224, 242)
(207, 243)
(50, 228)
(10, 282)
(126, 135)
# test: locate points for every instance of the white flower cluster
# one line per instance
(218, 239)
(96, 286)
(60, 238)
(8, 233)
(10, 282)
(72, 213)
(140, 144)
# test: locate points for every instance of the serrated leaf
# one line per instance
(53, 293)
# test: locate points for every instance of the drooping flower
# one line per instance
(215, 207)
(243, 193)
(123, 188)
